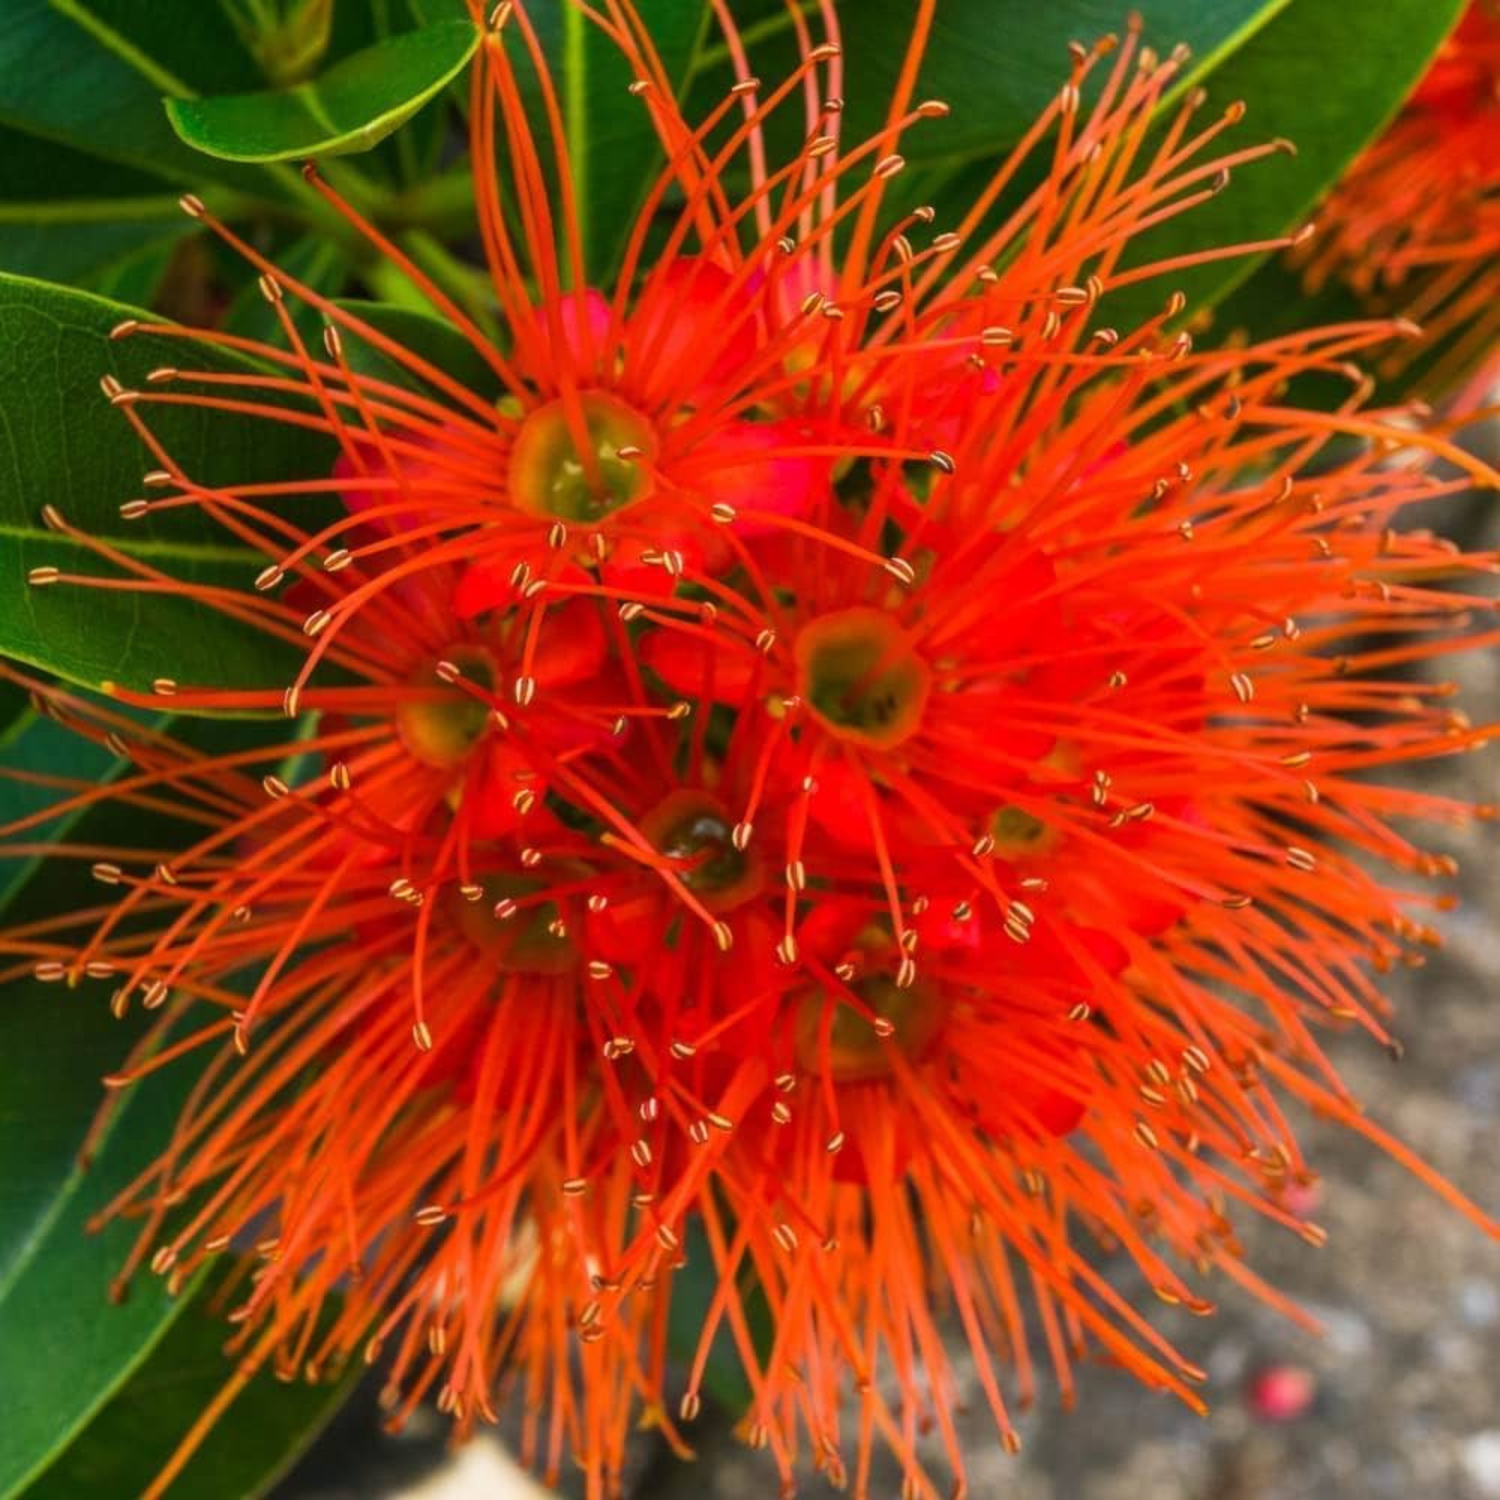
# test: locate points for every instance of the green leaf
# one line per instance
(53, 1302)
(1316, 77)
(132, 1437)
(34, 745)
(82, 250)
(311, 259)
(694, 1287)
(410, 156)
(61, 442)
(432, 339)
(34, 169)
(351, 107)
(124, 638)
(199, 44)
(15, 712)
(50, 1075)
(996, 63)
(136, 278)
(56, 1042)
(69, 216)
(69, 72)
(612, 145)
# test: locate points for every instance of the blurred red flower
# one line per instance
(1414, 226)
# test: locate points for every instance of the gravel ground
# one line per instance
(1396, 1400)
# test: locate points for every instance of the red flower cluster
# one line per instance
(1414, 226)
(850, 759)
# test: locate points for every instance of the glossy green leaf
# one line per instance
(199, 44)
(34, 169)
(35, 746)
(349, 108)
(1319, 78)
(126, 638)
(136, 278)
(68, 216)
(62, 443)
(411, 155)
(56, 1042)
(997, 64)
(81, 249)
(54, 1302)
(126, 1444)
(612, 145)
(83, 73)
(311, 259)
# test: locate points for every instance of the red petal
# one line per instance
(572, 646)
(696, 667)
(1020, 1102)
(626, 571)
(426, 463)
(747, 465)
(626, 932)
(1057, 1113)
(688, 331)
(839, 805)
(583, 332)
(829, 930)
(490, 790)
(483, 587)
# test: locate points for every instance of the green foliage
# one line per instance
(71, 217)
(62, 443)
(998, 63)
(56, 1042)
(75, 73)
(54, 1299)
(130, 1438)
(90, 166)
(351, 107)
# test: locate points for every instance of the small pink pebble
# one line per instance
(1281, 1393)
(1304, 1198)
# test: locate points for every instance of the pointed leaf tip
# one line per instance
(350, 108)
